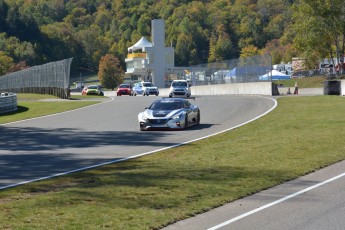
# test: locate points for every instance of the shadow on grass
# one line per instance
(20, 109)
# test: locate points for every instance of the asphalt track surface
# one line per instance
(108, 132)
(313, 202)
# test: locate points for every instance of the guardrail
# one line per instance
(8, 102)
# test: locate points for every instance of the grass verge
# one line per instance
(31, 105)
(301, 135)
(306, 82)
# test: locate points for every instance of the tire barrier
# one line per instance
(332, 87)
(8, 102)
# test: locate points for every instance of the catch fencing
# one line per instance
(51, 78)
(240, 70)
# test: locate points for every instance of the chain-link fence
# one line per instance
(251, 69)
(51, 78)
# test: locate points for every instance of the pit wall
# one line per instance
(252, 88)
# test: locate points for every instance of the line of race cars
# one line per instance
(177, 88)
(173, 112)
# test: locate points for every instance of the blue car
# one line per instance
(145, 89)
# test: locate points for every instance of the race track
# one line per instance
(43, 147)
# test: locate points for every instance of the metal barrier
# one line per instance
(51, 78)
(8, 102)
(241, 70)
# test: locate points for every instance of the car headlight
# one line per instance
(143, 117)
(175, 117)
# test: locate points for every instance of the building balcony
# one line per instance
(136, 55)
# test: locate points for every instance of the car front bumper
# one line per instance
(179, 94)
(93, 93)
(152, 124)
(123, 92)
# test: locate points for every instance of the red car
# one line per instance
(124, 89)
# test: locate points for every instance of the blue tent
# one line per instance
(275, 74)
(248, 71)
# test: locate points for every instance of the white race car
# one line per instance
(169, 113)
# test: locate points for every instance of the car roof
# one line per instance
(172, 99)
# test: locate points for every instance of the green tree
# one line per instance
(3, 15)
(17, 50)
(45, 12)
(94, 46)
(6, 63)
(79, 18)
(249, 51)
(59, 42)
(221, 47)
(320, 30)
(110, 72)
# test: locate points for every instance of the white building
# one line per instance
(153, 62)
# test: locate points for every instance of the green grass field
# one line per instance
(32, 105)
(301, 135)
(306, 82)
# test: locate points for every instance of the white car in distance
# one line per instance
(180, 88)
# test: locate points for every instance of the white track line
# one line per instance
(275, 202)
(132, 157)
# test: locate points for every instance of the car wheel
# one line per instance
(198, 118)
(170, 95)
(156, 94)
(186, 122)
(147, 94)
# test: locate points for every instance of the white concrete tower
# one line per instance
(160, 57)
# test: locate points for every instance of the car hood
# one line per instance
(151, 87)
(161, 113)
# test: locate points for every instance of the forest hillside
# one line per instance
(34, 32)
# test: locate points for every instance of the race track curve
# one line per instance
(107, 132)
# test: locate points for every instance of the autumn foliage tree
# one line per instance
(110, 72)
(6, 63)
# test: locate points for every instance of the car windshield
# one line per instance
(179, 83)
(147, 84)
(166, 105)
(92, 87)
(124, 86)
